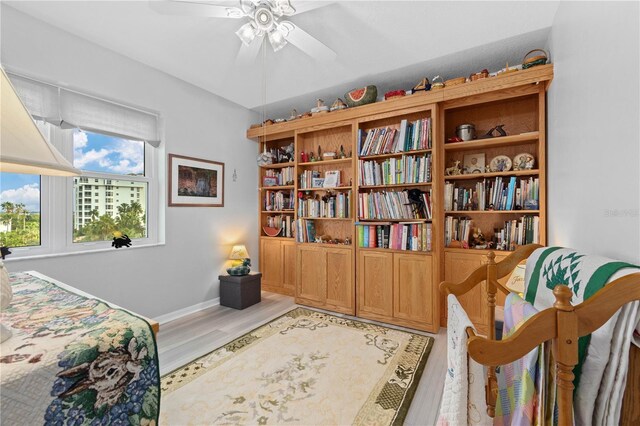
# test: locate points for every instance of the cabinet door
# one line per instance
(271, 263)
(457, 267)
(340, 288)
(311, 275)
(413, 288)
(375, 283)
(289, 267)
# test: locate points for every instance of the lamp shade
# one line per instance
(23, 149)
(239, 252)
(517, 278)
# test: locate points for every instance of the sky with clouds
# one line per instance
(107, 154)
(92, 152)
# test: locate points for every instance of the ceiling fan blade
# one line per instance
(170, 7)
(307, 43)
(305, 6)
(247, 54)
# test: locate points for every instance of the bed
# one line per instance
(561, 323)
(75, 358)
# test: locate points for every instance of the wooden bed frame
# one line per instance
(563, 324)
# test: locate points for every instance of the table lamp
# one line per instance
(24, 150)
(242, 263)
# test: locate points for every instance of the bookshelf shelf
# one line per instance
(277, 238)
(323, 162)
(472, 176)
(395, 185)
(326, 245)
(276, 188)
(394, 154)
(492, 212)
(380, 221)
(278, 166)
(492, 142)
(324, 218)
(336, 188)
(387, 250)
(278, 211)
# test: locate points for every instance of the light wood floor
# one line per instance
(192, 336)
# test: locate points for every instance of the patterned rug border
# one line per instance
(402, 410)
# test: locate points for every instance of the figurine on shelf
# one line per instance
(320, 107)
(312, 157)
(342, 153)
(423, 85)
(478, 240)
(338, 104)
(294, 114)
(304, 157)
(319, 153)
(453, 170)
(347, 241)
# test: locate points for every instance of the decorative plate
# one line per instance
(523, 161)
(500, 163)
(271, 232)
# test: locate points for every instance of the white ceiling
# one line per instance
(389, 43)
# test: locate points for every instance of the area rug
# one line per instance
(303, 368)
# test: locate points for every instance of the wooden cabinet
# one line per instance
(397, 288)
(325, 278)
(277, 264)
(375, 284)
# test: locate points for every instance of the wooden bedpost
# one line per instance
(565, 351)
(491, 388)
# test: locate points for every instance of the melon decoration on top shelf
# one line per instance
(363, 96)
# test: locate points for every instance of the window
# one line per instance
(111, 158)
(20, 210)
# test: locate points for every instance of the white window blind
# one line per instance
(70, 109)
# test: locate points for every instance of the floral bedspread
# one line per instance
(74, 360)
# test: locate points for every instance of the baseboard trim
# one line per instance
(172, 316)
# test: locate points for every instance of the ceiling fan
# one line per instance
(264, 19)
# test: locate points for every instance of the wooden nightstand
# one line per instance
(240, 292)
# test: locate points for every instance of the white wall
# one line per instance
(594, 129)
(183, 272)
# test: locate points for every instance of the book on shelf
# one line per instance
(410, 136)
(457, 229)
(499, 193)
(305, 231)
(336, 205)
(410, 236)
(279, 200)
(279, 177)
(392, 171)
(308, 179)
(331, 179)
(393, 205)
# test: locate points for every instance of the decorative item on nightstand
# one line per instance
(242, 263)
(516, 280)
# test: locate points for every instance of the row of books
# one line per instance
(394, 205)
(280, 222)
(330, 206)
(408, 169)
(305, 231)
(279, 177)
(516, 232)
(494, 194)
(279, 200)
(411, 136)
(311, 179)
(397, 236)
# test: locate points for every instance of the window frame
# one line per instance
(57, 204)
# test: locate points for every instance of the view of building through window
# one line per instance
(19, 210)
(104, 205)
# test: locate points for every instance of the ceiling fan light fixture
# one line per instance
(247, 33)
(277, 39)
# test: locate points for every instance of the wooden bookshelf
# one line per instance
(391, 285)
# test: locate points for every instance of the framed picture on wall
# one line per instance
(194, 182)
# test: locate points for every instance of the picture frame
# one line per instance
(331, 179)
(317, 182)
(473, 163)
(269, 181)
(195, 182)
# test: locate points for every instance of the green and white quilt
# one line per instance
(75, 360)
(603, 356)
